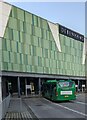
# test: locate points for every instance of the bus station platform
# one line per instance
(17, 110)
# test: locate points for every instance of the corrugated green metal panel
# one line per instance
(63, 48)
(12, 23)
(68, 50)
(4, 45)
(40, 42)
(19, 47)
(35, 60)
(28, 39)
(20, 14)
(67, 41)
(35, 40)
(39, 61)
(5, 56)
(15, 67)
(28, 68)
(43, 32)
(15, 58)
(4, 66)
(11, 57)
(29, 60)
(23, 38)
(28, 28)
(6, 34)
(37, 31)
(9, 67)
(18, 58)
(21, 59)
(53, 70)
(71, 42)
(13, 12)
(1, 56)
(44, 70)
(47, 63)
(28, 17)
(8, 45)
(24, 68)
(53, 45)
(46, 44)
(40, 69)
(14, 47)
(21, 26)
(48, 35)
(10, 33)
(81, 46)
(62, 39)
(44, 24)
(52, 54)
(18, 25)
(35, 69)
(60, 71)
(27, 49)
(0, 66)
(39, 53)
(35, 20)
(54, 64)
(38, 22)
(72, 51)
(20, 68)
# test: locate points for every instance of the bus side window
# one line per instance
(54, 87)
(45, 89)
(48, 88)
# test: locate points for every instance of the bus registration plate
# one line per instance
(66, 96)
(66, 92)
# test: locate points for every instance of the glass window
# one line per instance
(65, 84)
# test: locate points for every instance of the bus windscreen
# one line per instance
(65, 84)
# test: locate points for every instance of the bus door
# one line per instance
(53, 91)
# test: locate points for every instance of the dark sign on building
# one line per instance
(65, 31)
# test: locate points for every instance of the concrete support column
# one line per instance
(19, 94)
(25, 86)
(0, 89)
(78, 85)
(0, 98)
(82, 86)
(86, 85)
(39, 86)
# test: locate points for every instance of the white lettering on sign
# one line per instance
(66, 92)
(83, 85)
(28, 86)
(76, 85)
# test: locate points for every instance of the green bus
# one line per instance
(60, 90)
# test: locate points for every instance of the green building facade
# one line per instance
(33, 49)
(29, 46)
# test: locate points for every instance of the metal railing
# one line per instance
(4, 106)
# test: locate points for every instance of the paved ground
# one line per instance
(17, 110)
(44, 108)
(38, 107)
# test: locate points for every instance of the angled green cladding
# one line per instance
(28, 46)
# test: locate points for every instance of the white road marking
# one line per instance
(71, 110)
(78, 94)
(67, 108)
(81, 103)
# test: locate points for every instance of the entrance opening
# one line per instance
(32, 83)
